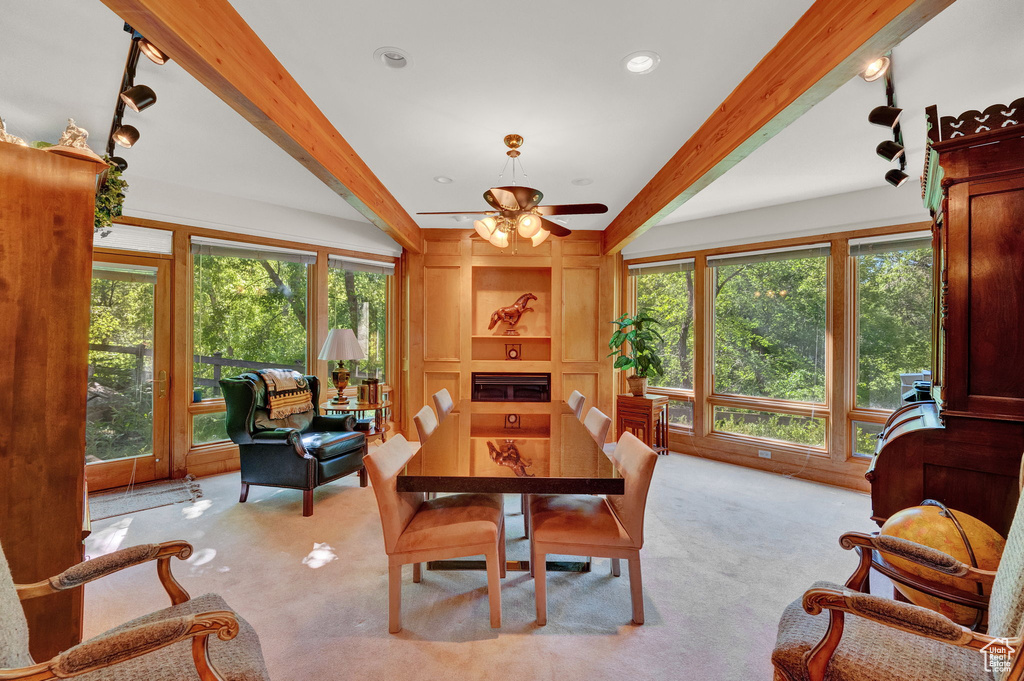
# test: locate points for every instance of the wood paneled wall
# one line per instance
(46, 219)
(459, 280)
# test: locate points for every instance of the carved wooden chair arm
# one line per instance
(93, 569)
(126, 644)
(906, 617)
(925, 556)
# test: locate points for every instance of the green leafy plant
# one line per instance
(110, 198)
(634, 343)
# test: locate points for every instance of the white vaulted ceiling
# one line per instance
(550, 71)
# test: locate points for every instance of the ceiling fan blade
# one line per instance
(501, 198)
(526, 197)
(573, 209)
(456, 212)
(555, 228)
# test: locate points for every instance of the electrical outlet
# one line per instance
(764, 454)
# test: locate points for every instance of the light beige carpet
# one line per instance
(727, 548)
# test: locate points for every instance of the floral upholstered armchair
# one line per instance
(196, 639)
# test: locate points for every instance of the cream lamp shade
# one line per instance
(341, 344)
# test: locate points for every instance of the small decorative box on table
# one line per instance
(646, 417)
(381, 412)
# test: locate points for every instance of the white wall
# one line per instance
(875, 207)
(157, 200)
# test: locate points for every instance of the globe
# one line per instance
(931, 526)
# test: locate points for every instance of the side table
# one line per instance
(646, 417)
(381, 411)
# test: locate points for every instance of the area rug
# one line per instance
(134, 498)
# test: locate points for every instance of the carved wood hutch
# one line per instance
(964, 448)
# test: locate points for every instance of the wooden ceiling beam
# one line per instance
(212, 42)
(831, 43)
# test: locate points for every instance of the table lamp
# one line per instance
(341, 345)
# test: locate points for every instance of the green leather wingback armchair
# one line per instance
(301, 451)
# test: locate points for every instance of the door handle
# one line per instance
(161, 381)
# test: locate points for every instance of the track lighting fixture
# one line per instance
(139, 97)
(155, 54)
(895, 177)
(889, 150)
(126, 136)
(887, 116)
(119, 163)
(875, 69)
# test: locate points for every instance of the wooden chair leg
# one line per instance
(636, 590)
(307, 502)
(538, 561)
(394, 599)
(616, 570)
(363, 481)
(526, 516)
(494, 588)
(502, 557)
(417, 573)
(245, 493)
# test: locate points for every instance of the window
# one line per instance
(208, 428)
(249, 311)
(666, 289)
(865, 438)
(357, 300)
(894, 317)
(770, 328)
(800, 430)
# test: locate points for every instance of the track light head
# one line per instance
(119, 163)
(875, 69)
(139, 97)
(126, 136)
(886, 116)
(895, 177)
(155, 54)
(889, 150)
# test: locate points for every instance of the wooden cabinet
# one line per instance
(459, 280)
(46, 219)
(965, 449)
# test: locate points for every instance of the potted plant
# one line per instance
(633, 342)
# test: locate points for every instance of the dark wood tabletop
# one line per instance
(511, 447)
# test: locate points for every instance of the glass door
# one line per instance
(126, 430)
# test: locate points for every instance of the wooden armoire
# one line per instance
(964, 448)
(46, 232)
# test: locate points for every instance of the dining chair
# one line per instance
(426, 423)
(576, 402)
(597, 424)
(586, 525)
(417, 530)
(443, 403)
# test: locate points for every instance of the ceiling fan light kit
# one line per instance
(515, 211)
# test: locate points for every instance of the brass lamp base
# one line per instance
(339, 377)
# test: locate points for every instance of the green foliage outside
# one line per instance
(358, 301)
(249, 310)
(208, 428)
(120, 404)
(770, 335)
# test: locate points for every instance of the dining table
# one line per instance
(511, 448)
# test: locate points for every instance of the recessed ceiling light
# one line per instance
(582, 181)
(441, 179)
(392, 57)
(462, 218)
(641, 62)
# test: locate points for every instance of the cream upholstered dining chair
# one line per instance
(416, 530)
(585, 525)
(576, 402)
(888, 640)
(597, 424)
(195, 638)
(443, 403)
(426, 423)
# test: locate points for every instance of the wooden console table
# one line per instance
(646, 417)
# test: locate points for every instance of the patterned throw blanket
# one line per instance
(287, 392)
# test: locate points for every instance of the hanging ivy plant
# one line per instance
(109, 198)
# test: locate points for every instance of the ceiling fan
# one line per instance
(516, 211)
